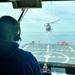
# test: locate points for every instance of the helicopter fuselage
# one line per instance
(48, 28)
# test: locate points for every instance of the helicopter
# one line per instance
(48, 26)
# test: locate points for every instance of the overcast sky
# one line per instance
(36, 18)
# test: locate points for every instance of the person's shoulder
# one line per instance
(31, 60)
(26, 54)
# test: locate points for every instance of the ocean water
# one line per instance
(48, 37)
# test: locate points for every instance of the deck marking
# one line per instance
(38, 48)
(60, 57)
(47, 48)
(47, 56)
(26, 47)
(72, 57)
(72, 49)
(35, 55)
(53, 56)
(67, 58)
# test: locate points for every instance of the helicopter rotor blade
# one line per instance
(54, 21)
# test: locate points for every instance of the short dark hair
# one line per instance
(6, 22)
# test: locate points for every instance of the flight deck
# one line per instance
(52, 52)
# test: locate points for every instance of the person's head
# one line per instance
(9, 29)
